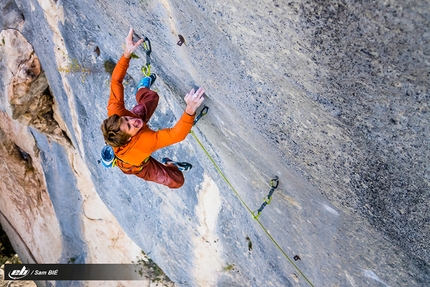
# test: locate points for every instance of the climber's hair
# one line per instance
(111, 131)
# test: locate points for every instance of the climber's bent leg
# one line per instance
(147, 101)
(168, 175)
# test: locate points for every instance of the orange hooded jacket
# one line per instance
(146, 141)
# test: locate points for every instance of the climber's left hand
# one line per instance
(130, 47)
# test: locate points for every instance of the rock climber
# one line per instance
(127, 131)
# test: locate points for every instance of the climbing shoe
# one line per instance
(147, 82)
(182, 166)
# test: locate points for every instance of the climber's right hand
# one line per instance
(194, 100)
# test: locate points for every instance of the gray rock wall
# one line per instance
(376, 60)
(331, 96)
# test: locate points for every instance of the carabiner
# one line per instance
(147, 47)
(203, 112)
(256, 216)
(146, 70)
(274, 182)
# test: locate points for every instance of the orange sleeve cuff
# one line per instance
(189, 119)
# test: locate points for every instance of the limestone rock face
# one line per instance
(23, 189)
(37, 210)
(28, 94)
(330, 96)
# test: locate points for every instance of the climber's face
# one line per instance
(131, 125)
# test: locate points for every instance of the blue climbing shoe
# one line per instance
(182, 166)
(147, 82)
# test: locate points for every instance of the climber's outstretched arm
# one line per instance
(166, 137)
(116, 100)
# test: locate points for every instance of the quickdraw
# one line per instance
(203, 112)
(273, 184)
(146, 70)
